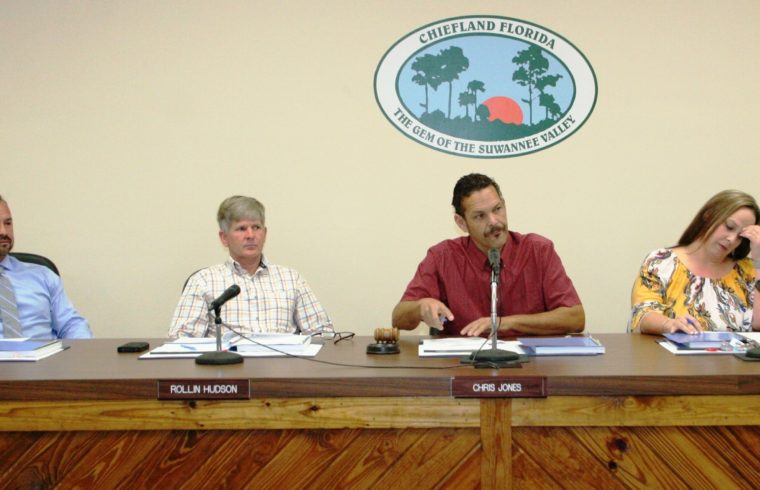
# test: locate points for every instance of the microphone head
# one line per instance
(227, 295)
(494, 258)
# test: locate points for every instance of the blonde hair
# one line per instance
(716, 211)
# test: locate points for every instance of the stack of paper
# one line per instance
(28, 350)
(704, 340)
(561, 346)
(706, 343)
(258, 345)
(462, 346)
(275, 345)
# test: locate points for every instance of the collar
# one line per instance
(239, 269)
(477, 256)
(8, 263)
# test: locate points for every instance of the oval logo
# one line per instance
(485, 87)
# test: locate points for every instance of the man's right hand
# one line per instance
(434, 313)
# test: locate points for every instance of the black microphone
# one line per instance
(227, 295)
(495, 259)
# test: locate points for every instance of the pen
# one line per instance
(688, 320)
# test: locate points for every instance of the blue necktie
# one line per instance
(8, 309)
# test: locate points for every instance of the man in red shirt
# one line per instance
(451, 289)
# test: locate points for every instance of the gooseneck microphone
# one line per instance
(219, 356)
(227, 295)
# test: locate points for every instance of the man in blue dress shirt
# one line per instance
(42, 310)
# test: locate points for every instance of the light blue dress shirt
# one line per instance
(45, 311)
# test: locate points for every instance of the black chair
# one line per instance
(188, 279)
(36, 259)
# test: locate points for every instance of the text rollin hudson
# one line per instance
(216, 389)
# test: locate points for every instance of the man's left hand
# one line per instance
(477, 327)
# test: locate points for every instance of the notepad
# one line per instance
(561, 346)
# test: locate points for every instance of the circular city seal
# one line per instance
(485, 87)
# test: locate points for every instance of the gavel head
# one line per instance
(386, 335)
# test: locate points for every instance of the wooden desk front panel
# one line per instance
(636, 417)
(580, 457)
(376, 413)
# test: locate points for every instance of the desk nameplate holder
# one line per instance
(498, 387)
(204, 389)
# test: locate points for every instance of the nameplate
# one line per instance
(204, 389)
(498, 387)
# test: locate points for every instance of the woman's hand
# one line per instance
(686, 324)
(752, 233)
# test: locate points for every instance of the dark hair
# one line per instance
(469, 184)
(715, 212)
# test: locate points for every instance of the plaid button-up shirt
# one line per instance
(274, 299)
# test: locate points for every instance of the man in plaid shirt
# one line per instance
(273, 299)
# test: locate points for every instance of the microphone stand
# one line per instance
(494, 317)
(219, 357)
(493, 357)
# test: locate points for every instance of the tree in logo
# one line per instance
(470, 97)
(433, 70)
(452, 62)
(466, 99)
(553, 110)
(428, 74)
(531, 73)
(474, 87)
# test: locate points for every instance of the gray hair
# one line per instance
(237, 208)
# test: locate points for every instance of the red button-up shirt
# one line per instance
(456, 272)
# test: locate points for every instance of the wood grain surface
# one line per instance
(551, 457)
(377, 413)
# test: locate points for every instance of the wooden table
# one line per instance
(637, 416)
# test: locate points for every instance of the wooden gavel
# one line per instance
(386, 335)
(386, 341)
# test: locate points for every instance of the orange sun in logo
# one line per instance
(504, 109)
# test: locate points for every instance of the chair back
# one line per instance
(36, 259)
(188, 279)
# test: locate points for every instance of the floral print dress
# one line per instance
(664, 285)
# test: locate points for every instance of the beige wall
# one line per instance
(124, 124)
